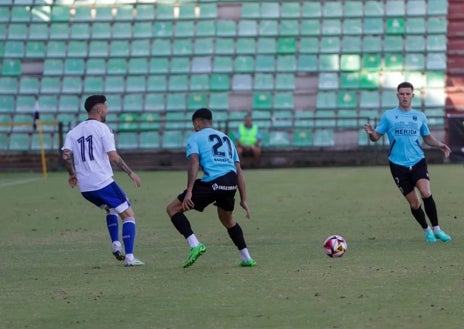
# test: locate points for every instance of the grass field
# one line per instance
(57, 270)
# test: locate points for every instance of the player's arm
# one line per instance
(68, 160)
(242, 189)
(432, 141)
(192, 172)
(117, 161)
(374, 136)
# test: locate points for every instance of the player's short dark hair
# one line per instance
(202, 113)
(405, 85)
(93, 100)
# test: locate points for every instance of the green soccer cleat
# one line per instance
(133, 262)
(195, 253)
(442, 236)
(248, 263)
(119, 255)
(429, 236)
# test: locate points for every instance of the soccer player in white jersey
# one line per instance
(215, 154)
(405, 127)
(88, 152)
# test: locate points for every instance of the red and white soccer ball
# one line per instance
(335, 246)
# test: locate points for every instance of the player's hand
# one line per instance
(244, 205)
(135, 178)
(368, 128)
(445, 149)
(72, 180)
(187, 203)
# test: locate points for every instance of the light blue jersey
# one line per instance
(216, 152)
(404, 130)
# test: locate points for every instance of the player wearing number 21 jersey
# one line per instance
(88, 152)
(213, 152)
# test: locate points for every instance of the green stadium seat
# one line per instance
(395, 26)
(325, 119)
(25, 103)
(17, 31)
(393, 62)
(163, 29)
(206, 29)
(245, 46)
(302, 138)
(388, 100)
(29, 85)
(226, 28)
(132, 103)
(352, 26)
(128, 122)
(117, 66)
(127, 140)
(290, 10)
(199, 82)
(101, 30)
(18, 14)
(263, 81)
(328, 81)
(250, 10)
(373, 8)
(329, 62)
(289, 27)
(435, 79)
(310, 27)
(124, 13)
(286, 45)
(331, 27)
(143, 30)
(93, 84)
(7, 105)
(74, 66)
(50, 85)
(114, 84)
(180, 65)
(438, 7)
(414, 43)
(281, 119)
(154, 102)
(373, 26)
(347, 119)
(8, 85)
(436, 43)
(222, 64)
(98, 48)
(436, 61)
(176, 102)
(323, 137)
(82, 14)
(140, 48)
(56, 49)
(69, 103)
(392, 44)
(372, 62)
(247, 28)
(219, 82)
(165, 12)
(437, 25)
(268, 28)
(173, 140)
(60, 14)
(279, 138)
(349, 80)
(149, 140)
(225, 46)
(104, 14)
(415, 25)
(95, 66)
(262, 101)
(369, 99)
(11, 67)
(266, 46)
(19, 142)
(158, 65)
(157, 83)
(371, 44)
(182, 47)
(244, 64)
(332, 9)
(203, 46)
(59, 31)
(178, 83)
(395, 8)
(207, 10)
(285, 81)
(176, 120)
(326, 100)
(119, 48)
(283, 101)
(13, 49)
(347, 100)
(137, 65)
(416, 8)
(80, 31)
(414, 61)
(350, 62)
(353, 9)
(197, 100)
(184, 29)
(265, 63)
(135, 83)
(38, 31)
(286, 63)
(71, 85)
(369, 80)
(311, 10)
(35, 49)
(307, 63)
(145, 12)
(77, 49)
(219, 101)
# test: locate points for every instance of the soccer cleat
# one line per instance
(248, 263)
(195, 253)
(429, 236)
(442, 236)
(134, 262)
(119, 255)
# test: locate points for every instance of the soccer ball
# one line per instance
(335, 246)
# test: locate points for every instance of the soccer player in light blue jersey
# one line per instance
(88, 152)
(214, 153)
(405, 127)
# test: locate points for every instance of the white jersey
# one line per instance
(90, 141)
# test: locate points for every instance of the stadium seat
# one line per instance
(176, 102)
(29, 85)
(302, 138)
(323, 137)
(245, 46)
(11, 67)
(127, 140)
(279, 138)
(35, 49)
(219, 101)
(197, 100)
(351, 44)
(154, 102)
(149, 140)
(347, 99)
(173, 139)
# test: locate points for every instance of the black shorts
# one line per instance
(221, 191)
(407, 177)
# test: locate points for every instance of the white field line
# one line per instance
(18, 182)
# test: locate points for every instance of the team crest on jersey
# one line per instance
(414, 118)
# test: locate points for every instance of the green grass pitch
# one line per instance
(57, 271)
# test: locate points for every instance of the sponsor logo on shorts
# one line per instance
(216, 187)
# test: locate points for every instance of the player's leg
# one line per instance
(236, 235)
(182, 224)
(128, 236)
(112, 222)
